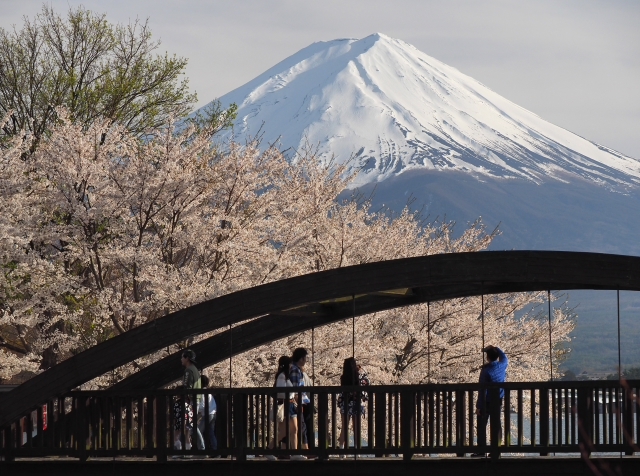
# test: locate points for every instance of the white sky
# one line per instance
(575, 63)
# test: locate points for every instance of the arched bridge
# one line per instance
(322, 298)
(318, 299)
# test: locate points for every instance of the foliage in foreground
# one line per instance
(96, 70)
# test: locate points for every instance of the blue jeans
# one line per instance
(211, 437)
(199, 439)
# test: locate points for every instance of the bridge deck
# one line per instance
(419, 465)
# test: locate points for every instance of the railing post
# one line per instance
(323, 421)
(161, 428)
(116, 437)
(222, 423)
(506, 431)
(92, 416)
(50, 431)
(494, 422)
(40, 427)
(149, 420)
(81, 427)
(627, 419)
(481, 428)
(62, 439)
(240, 425)
(109, 423)
(312, 426)
(142, 423)
(408, 420)
(299, 417)
(460, 422)
(585, 419)
(129, 423)
(544, 421)
(29, 429)
(380, 423)
(9, 443)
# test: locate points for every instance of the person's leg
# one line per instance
(354, 425)
(307, 413)
(500, 412)
(201, 424)
(483, 419)
(293, 435)
(343, 430)
(200, 428)
(282, 434)
(188, 426)
(177, 444)
(357, 428)
(282, 429)
(303, 433)
(199, 439)
(212, 433)
(483, 424)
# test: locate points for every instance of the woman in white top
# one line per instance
(288, 400)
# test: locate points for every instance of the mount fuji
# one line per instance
(423, 133)
(396, 109)
(416, 127)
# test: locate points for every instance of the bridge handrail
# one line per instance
(563, 417)
(384, 388)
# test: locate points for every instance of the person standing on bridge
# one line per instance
(285, 411)
(211, 417)
(494, 371)
(296, 375)
(351, 404)
(191, 376)
(191, 380)
(182, 415)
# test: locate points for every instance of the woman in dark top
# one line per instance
(351, 403)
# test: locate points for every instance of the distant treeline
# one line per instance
(632, 373)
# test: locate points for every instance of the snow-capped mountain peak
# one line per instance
(396, 109)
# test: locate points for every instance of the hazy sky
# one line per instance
(574, 63)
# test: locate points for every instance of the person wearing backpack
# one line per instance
(286, 409)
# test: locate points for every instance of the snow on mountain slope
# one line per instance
(395, 109)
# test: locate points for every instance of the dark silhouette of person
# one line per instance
(495, 370)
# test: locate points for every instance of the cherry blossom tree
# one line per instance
(102, 232)
(104, 235)
(440, 342)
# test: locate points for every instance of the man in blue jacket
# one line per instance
(495, 370)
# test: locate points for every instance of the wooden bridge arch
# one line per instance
(319, 297)
(272, 327)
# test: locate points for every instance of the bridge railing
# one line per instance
(535, 418)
